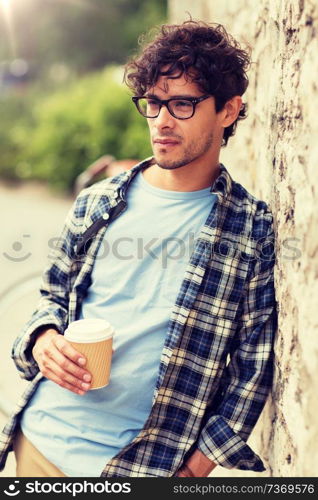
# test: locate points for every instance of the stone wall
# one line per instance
(275, 156)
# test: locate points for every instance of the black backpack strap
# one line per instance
(87, 237)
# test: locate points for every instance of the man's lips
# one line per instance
(166, 141)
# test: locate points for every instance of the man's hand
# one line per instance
(198, 465)
(60, 362)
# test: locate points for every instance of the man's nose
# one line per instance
(164, 119)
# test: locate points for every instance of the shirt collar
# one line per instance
(222, 185)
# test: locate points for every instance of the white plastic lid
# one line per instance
(88, 330)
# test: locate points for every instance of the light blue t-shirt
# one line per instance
(135, 281)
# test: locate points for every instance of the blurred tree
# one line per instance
(53, 128)
(54, 136)
(84, 34)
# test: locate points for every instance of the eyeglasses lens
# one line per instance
(148, 107)
(179, 108)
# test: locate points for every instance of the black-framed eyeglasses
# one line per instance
(181, 108)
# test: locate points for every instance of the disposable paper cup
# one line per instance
(94, 339)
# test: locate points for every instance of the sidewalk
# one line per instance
(34, 217)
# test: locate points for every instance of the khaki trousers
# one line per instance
(30, 462)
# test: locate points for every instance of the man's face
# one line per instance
(176, 142)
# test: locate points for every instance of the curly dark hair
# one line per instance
(204, 53)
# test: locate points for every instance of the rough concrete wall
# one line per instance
(275, 155)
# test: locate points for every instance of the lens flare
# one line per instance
(6, 8)
(5, 4)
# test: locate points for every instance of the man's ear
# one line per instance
(231, 110)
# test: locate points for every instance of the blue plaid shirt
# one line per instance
(217, 362)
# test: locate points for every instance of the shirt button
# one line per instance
(105, 216)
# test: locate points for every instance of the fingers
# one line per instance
(51, 375)
(66, 364)
(68, 350)
(60, 362)
(180, 473)
(184, 472)
(63, 378)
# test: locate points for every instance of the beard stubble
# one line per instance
(191, 153)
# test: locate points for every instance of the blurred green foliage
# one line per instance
(67, 110)
(54, 137)
(83, 34)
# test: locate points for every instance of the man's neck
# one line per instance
(181, 179)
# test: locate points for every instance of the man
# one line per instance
(179, 258)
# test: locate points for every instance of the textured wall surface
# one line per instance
(275, 156)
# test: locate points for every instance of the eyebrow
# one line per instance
(183, 96)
